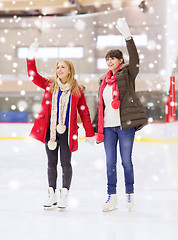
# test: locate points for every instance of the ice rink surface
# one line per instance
(23, 188)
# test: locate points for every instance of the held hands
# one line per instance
(33, 49)
(90, 140)
(123, 27)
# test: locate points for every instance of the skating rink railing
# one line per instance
(153, 132)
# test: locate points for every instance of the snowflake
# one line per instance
(115, 93)
(150, 119)
(90, 59)
(158, 86)
(74, 137)
(128, 122)
(151, 45)
(13, 107)
(80, 25)
(172, 104)
(31, 78)
(82, 107)
(151, 65)
(15, 65)
(22, 105)
(22, 92)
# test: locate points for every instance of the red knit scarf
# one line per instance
(115, 103)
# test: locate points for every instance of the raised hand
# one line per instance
(123, 27)
(33, 49)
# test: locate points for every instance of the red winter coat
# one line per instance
(42, 121)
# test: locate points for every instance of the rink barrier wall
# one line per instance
(153, 132)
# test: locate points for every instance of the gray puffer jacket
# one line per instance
(132, 113)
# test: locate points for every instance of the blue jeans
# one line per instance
(126, 139)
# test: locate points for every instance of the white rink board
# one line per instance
(164, 131)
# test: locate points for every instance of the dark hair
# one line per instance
(115, 53)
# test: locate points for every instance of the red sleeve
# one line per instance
(85, 116)
(34, 76)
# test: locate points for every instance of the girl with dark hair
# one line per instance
(56, 124)
(119, 115)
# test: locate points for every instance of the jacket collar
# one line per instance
(124, 66)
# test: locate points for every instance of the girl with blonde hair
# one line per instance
(56, 123)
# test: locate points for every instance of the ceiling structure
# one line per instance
(61, 7)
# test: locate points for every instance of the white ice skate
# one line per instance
(111, 203)
(51, 201)
(63, 201)
(129, 201)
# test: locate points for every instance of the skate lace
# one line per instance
(129, 198)
(109, 197)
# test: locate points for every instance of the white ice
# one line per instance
(23, 188)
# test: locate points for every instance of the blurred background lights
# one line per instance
(150, 119)
(90, 59)
(87, 80)
(80, 25)
(36, 107)
(13, 107)
(22, 105)
(2, 39)
(151, 45)
(151, 65)
(117, 4)
(22, 92)
(141, 56)
(20, 82)
(158, 86)
(150, 104)
(15, 65)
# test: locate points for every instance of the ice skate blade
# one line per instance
(130, 210)
(110, 209)
(130, 207)
(50, 207)
(61, 208)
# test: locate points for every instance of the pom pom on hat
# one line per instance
(61, 128)
(115, 104)
(99, 137)
(52, 144)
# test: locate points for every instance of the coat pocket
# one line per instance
(131, 103)
(76, 130)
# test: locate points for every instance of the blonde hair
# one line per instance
(72, 82)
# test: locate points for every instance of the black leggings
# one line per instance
(65, 159)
